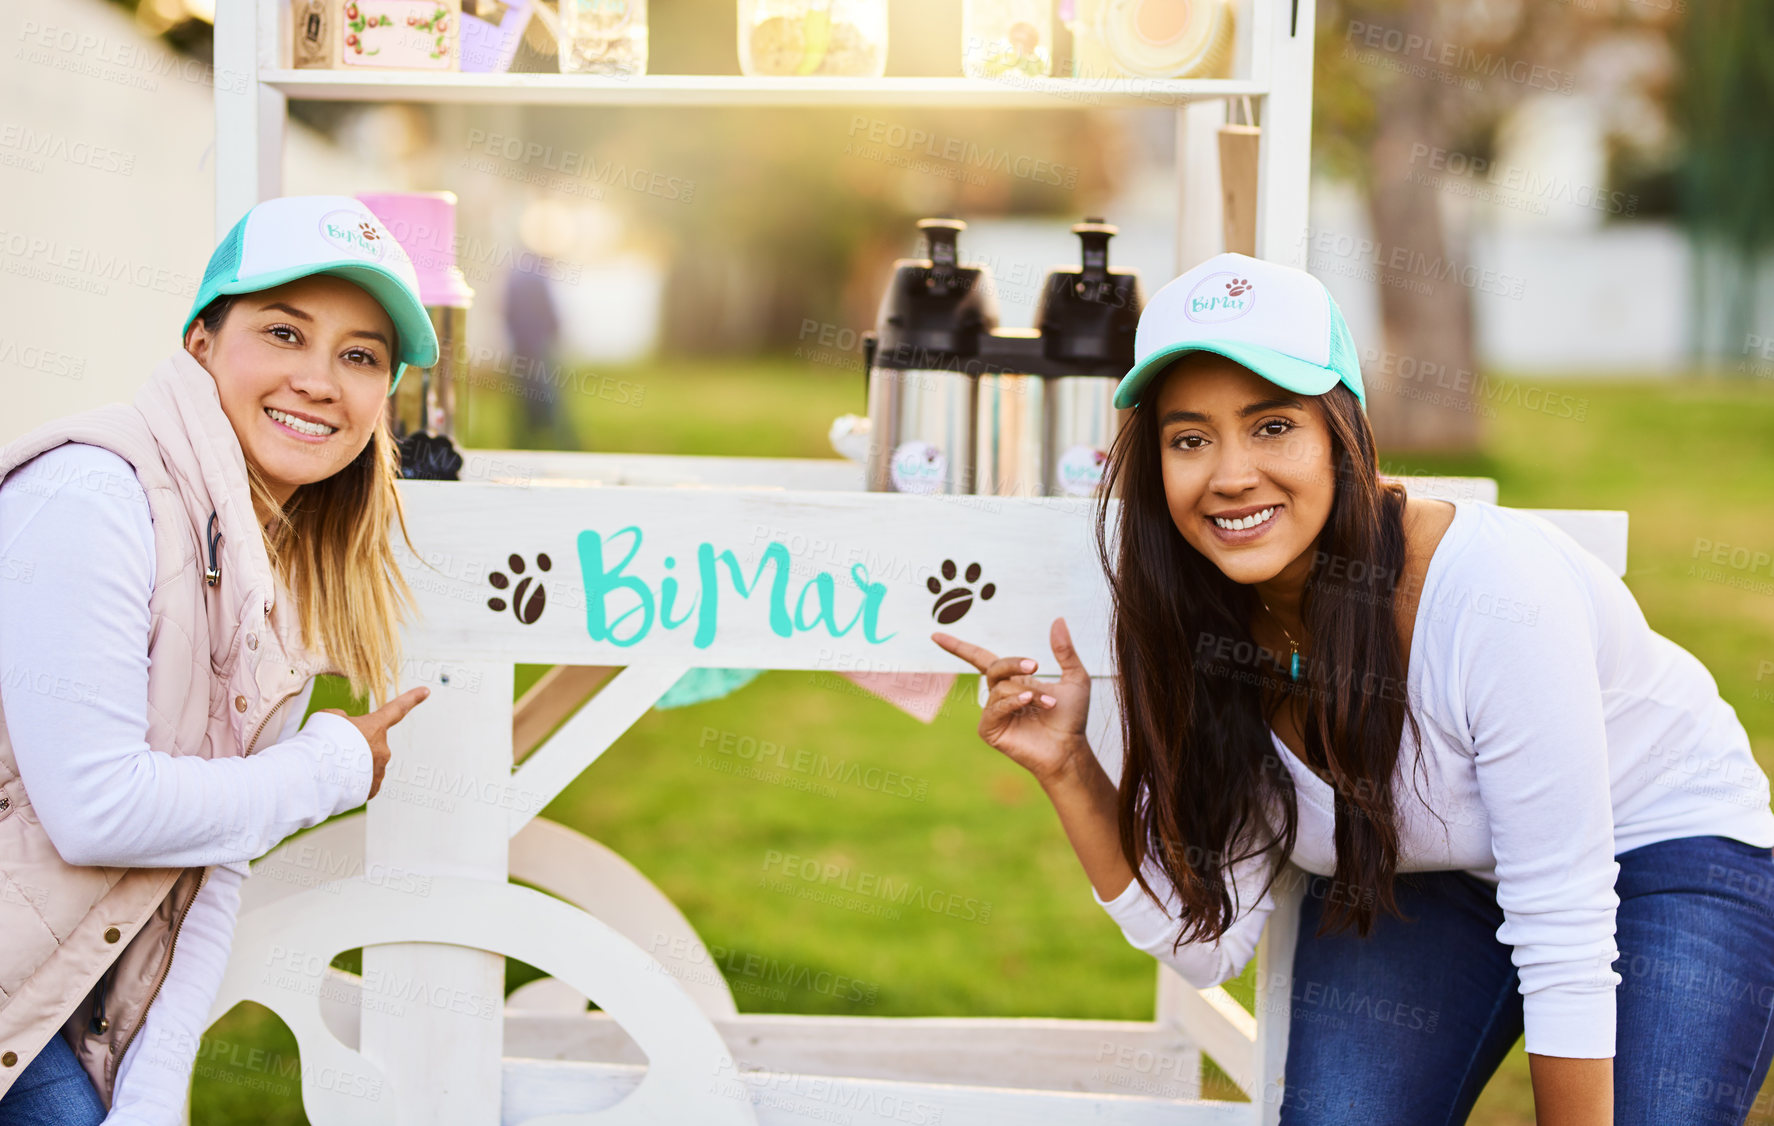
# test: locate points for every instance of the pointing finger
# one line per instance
(977, 656)
(396, 709)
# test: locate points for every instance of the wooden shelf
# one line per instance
(722, 90)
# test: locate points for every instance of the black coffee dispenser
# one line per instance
(1046, 415)
(921, 360)
(1088, 316)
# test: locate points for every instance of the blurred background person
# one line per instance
(533, 325)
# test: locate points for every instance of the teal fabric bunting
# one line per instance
(699, 685)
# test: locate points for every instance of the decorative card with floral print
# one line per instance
(400, 34)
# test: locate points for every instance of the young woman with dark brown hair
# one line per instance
(1573, 840)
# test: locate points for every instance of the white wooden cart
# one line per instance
(422, 879)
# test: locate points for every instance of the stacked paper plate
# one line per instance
(1167, 38)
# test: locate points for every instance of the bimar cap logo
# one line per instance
(1221, 297)
(349, 230)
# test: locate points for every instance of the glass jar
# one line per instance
(845, 38)
(607, 37)
(1006, 37)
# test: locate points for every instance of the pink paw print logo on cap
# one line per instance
(1237, 287)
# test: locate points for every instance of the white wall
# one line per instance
(1614, 301)
(107, 193)
(1607, 300)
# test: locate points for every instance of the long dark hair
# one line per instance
(1203, 787)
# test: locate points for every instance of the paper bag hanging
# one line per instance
(1239, 148)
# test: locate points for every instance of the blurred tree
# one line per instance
(1398, 78)
(1725, 107)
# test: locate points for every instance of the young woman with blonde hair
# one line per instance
(177, 571)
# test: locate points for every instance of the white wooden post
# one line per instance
(250, 115)
(440, 813)
(1284, 163)
(1275, 986)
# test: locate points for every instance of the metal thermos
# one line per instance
(1087, 319)
(426, 398)
(921, 359)
(1010, 434)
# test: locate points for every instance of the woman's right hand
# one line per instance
(1039, 725)
(375, 725)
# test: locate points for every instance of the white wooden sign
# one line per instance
(577, 574)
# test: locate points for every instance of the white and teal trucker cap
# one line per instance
(1275, 320)
(292, 237)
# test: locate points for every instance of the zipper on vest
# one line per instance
(99, 1024)
(260, 730)
(158, 982)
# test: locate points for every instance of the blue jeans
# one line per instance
(53, 1091)
(1407, 1025)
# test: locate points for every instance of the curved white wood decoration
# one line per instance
(558, 860)
(341, 1087)
(320, 857)
(546, 995)
(594, 877)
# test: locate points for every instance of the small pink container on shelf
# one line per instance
(423, 412)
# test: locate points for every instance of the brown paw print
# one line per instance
(368, 231)
(529, 599)
(952, 605)
(1237, 287)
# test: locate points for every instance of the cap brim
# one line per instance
(1291, 372)
(412, 324)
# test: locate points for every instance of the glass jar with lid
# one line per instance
(604, 37)
(843, 38)
(1001, 38)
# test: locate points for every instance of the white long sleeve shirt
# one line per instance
(74, 627)
(1559, 730)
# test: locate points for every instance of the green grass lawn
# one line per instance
(1692, 462)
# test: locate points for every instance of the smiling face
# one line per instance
(303, 370)
(1236, 449)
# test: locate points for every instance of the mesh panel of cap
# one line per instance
(1342, 345)
(225, 262)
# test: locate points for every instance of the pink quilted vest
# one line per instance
(225, 661)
